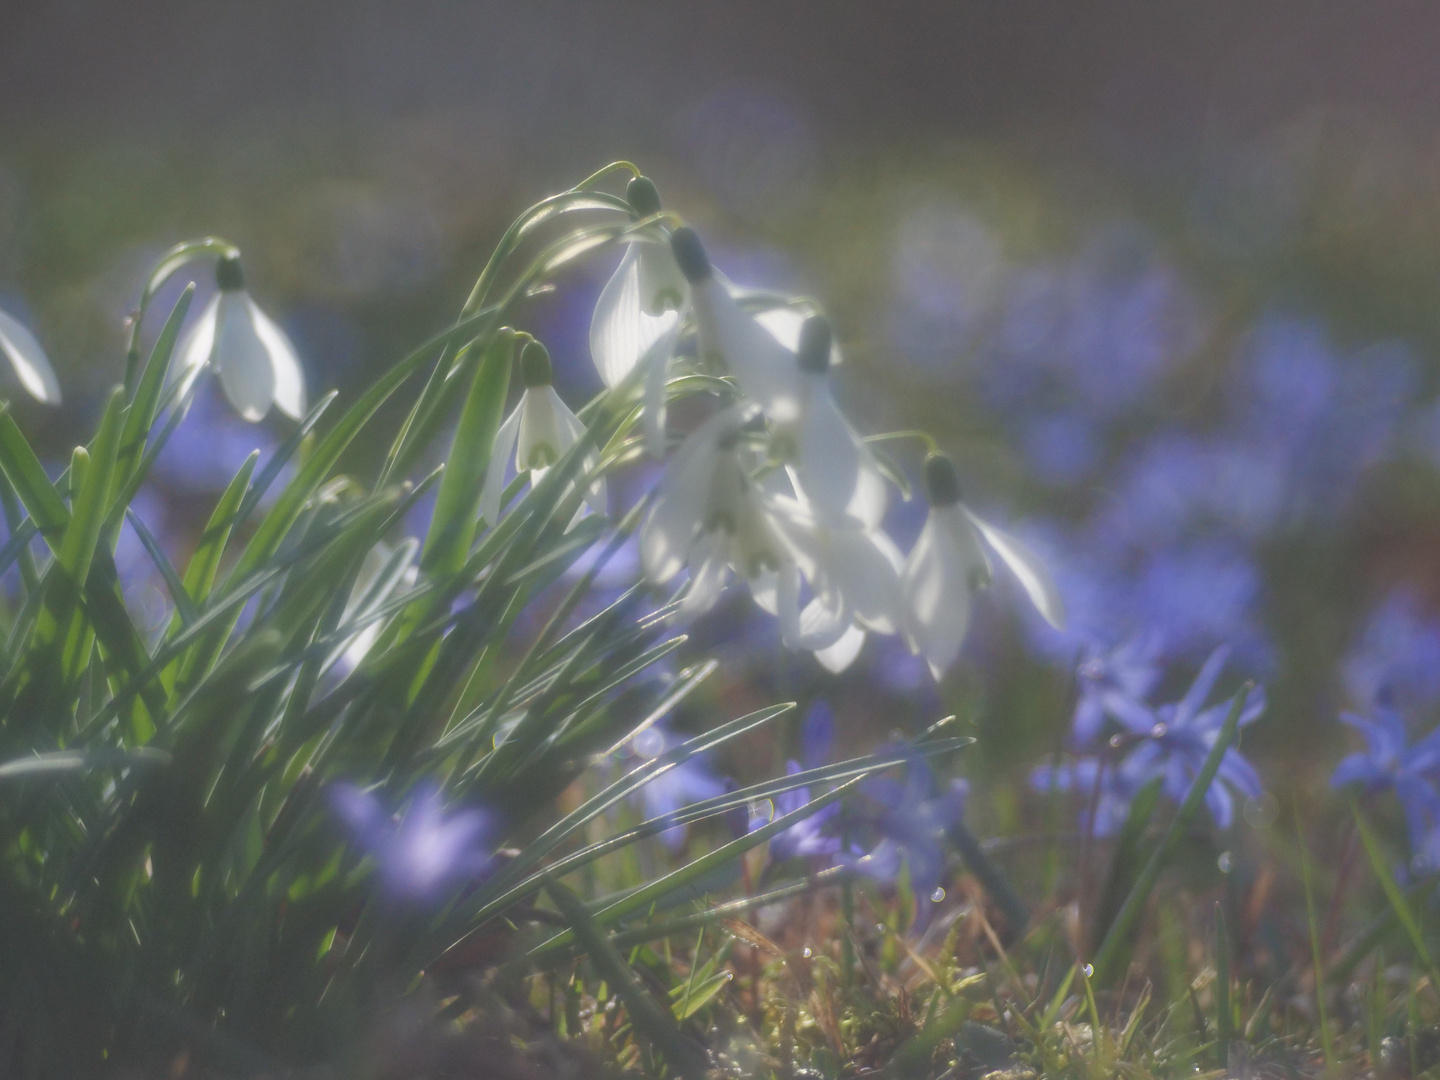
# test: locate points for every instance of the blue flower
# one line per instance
(1397, 660)
(426, 851)
(1175, 738)
(1390, 762)
(1129, 671)
(1104, 791)
(911, 825)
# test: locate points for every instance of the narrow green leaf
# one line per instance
(140, 415)
(60, 761)
(1398, 904)
(38, 495)
(648, 1015)
(454, 521)
(1223, 1018)
(184, 607)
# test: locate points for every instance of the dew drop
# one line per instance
(880, 929)
(806, 953)
(1117, 741)
(1225, 862)
(938, 894)
(1089, 970)
(1158, 731)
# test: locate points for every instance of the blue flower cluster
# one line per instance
(1170, 741)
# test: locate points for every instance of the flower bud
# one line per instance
(814, 351)
(228, 275)
(643, 197)
(942, 486)
(535, 367)
(690, 255)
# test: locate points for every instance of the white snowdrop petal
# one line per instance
(938, 593)
(657, 368)
(542, 436)
(842, 654)
(494, 488)
(195, 348)
(620, 330)
(763, 589)
(663, 288)
(867, 570)
(829, 460)
(872, 493)
(680, 502)
(241, 359)
(1032, 574)
(823, 622)
(28, 359)
(289, 376)
(730, 337)
(572, 432)
(709, 566)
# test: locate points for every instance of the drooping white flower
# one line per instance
(638, 315)
(28, 361)
(831, 465)
(948, 564)
(383, 572)
(539, 431)
(731, 339)
(710, 516)
(255, 361)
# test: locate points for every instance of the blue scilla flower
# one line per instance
(425, 850)
(1173, 740)
(1104, 789)
(1390, 762)
(1107, 677)
(909, 823)
(1396, 661)
(674, 789)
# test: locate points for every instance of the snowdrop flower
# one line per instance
(832, 466)
(855, 576)
(638, 315)
(252, 356)
(28, 361)
(426, 851)
(540, 431)
(733, 340)
(710, 516)
(948, 564)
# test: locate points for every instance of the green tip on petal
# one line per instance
(814, 351)
(228, 275)
(535, 367)
(690, 255)
(643, 197)
(942, 486)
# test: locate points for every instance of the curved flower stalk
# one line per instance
(731, 339)
(424, 851)
(948, 565)
(28, 361)
(830, 464)
(539, 431)
(255, 361)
